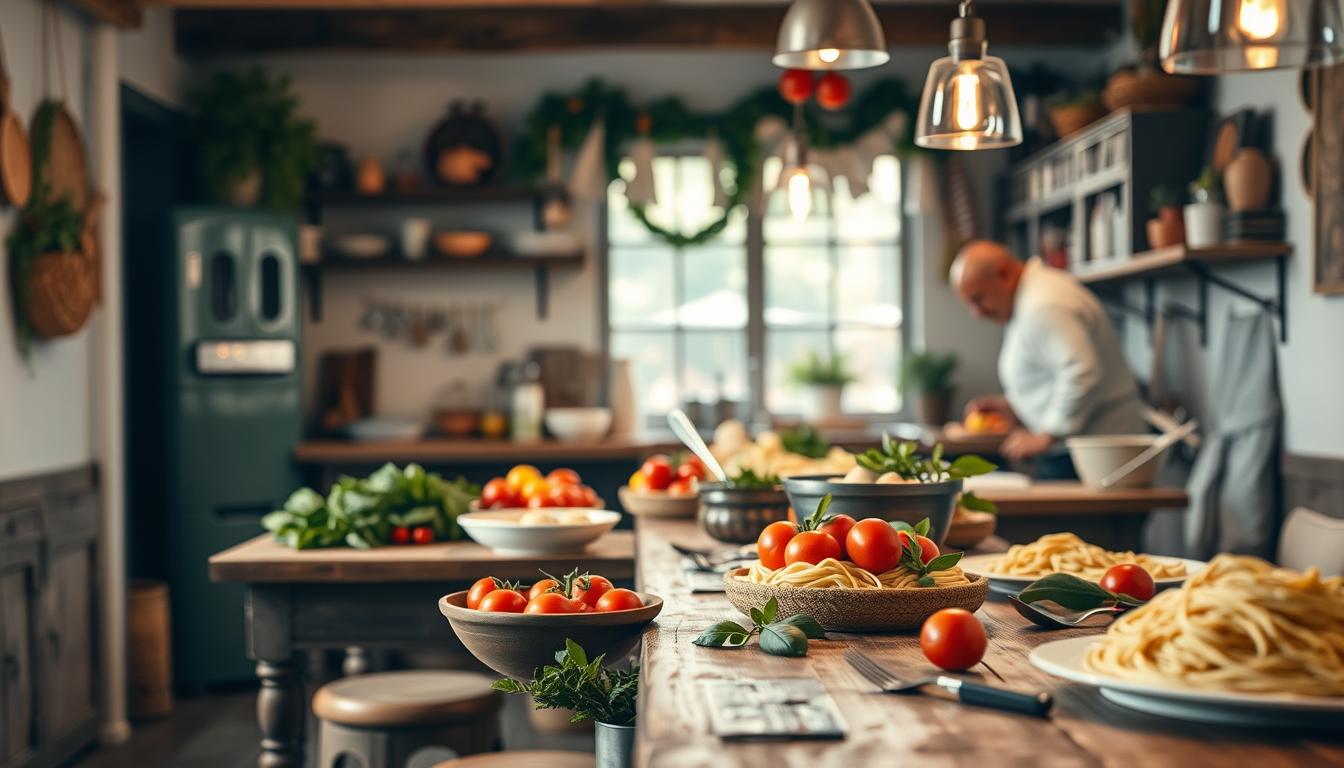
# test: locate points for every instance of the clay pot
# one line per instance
(246, 191)
(1068, 119)
(1147, 88)
(370, 178)
(934, 406)
(1167, 229)
(1247, 180)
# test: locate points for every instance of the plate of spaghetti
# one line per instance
(844, 597)
(1242, 642)
(1012, 571)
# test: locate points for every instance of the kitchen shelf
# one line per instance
(1178, 258)
(490, 193)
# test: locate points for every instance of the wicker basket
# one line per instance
(1148, 90)
(1068, 119)
(857, 610)
(61, 293)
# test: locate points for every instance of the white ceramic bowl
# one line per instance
(1096, 456)
(500, 530)
(384, 428)
(363, 246)
(549, 244)
(578, 423)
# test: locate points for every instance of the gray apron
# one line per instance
(1233, 485)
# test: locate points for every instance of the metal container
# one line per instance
(737, 515)
(910, 502)
(614, 745)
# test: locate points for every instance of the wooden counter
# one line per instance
(911, 730)
(462, 451)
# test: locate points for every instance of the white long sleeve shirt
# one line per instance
(1061, 365)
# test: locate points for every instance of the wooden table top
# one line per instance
(262, 560)
(913, 730)
(1072, 497)
(439, 450)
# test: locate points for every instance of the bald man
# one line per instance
(1061, 366)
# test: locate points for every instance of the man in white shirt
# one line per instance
(1061, 365)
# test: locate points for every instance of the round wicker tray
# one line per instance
(857, 610)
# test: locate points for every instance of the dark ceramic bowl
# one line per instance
(910, 502)
(516, 644)
(738, 515)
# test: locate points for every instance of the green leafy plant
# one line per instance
(783, 637)
(747, 479)
(805, 441)
(910, 554)
(970, 501)
(928, 372)
(1074, 593)
(1163, 196)
(816, 370)
(362, 512)
(246, 122)
(573, 682)
(903, 458)
(1207, 187)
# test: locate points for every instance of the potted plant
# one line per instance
(930, 375)
(1166, 228)
(252, 145)
(823, 381)
(1144, 84)
(604, 696)
(1072, 112)
(1204, 212)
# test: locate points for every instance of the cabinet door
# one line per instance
(67, 642)
(17, 737)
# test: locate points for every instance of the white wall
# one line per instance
(147, 59)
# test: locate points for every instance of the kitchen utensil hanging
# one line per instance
(16, 160)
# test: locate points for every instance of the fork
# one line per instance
(967, 692)
(711, 560)
(1041, 617)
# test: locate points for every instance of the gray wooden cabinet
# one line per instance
(48, 618)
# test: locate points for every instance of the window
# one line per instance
(692, 325)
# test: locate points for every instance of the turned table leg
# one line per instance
(279, 713)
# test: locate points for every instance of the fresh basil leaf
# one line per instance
(810, 626)
(888, 445)
(725, 634)
(815, 518)
(783, 640)
(357, 541)
(1067, 590)
(508, 685)
(943, 562)
(758, 617)
(922, 527)
(925, 581)
(970, 466)
(901, 525)
(770, 611)
(575, 652)
(970, 501)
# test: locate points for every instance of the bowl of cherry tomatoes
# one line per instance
(662, 487)
(513, 630)
(525, 486)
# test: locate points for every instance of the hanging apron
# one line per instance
(1234, 484)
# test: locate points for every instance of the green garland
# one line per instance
(667, 120)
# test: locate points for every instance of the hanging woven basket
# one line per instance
(61, 293)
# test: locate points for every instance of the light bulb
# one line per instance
(829, 55)
(1260, 19)
(1261, 57)
(800, 193)
(966, 113)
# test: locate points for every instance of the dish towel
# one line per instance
(1234, 484)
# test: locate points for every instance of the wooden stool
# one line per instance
(525, 758)
(380, 720)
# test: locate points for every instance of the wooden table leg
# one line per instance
(279, 714)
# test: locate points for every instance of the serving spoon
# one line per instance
(685, 431)
(1044, 618)
(1162, 443)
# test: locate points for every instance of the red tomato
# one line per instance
(837, 527)
(692, 467)
(619, 600)
(553, 602)
(480, 589)
(657, 471)
(1129, 579)
(873, 545)
(590, 589)
(833, 90)
(927, 549)
(422, 534)
(542, 587)
(520, 475)
(811, 547)
(541, 502)
(401, 535)
(563, 477)
(953, 639)
(773, 541)
(588, 496)
(503, 601)
(497, 493)
(795, 85)
(684, 486)
(564, 496)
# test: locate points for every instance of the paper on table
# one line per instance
(783, 708)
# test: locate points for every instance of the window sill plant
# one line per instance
(930, 375)
(1204, 213)
(823, 381)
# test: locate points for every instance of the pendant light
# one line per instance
(968, 100)
(830, 34)
(1206, 37)
(798, 177)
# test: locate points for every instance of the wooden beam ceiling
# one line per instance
(219, 32)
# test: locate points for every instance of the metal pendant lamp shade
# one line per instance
(830, 34)
(1211, 36)
(968, 100)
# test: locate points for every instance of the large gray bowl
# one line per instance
(910, 502)
(738, 515)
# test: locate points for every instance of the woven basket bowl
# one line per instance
(61, 294)
(857, 610)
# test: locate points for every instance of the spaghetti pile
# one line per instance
(831, 573)
(1066, 553)
(1242, 625)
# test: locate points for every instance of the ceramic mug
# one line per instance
(1203, 224)
(415, 238)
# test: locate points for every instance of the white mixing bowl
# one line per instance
(1096, 456)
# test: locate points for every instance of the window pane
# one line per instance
(875, 216)
(652, 358)
(622, 226)
(639, 280)
(716, 364)
(797, 285)
(868, 278)
(871, 356)
(714, 288)
(782, 350)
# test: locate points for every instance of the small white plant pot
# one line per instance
(1203, 224)
(821, 402)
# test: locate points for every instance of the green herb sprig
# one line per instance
(573, 682)
(747, 479)
(912, 553)
(786, 637)
(805, 441)
(902, 457)
(1074, 593)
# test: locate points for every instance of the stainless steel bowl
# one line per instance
(910, 502)
(738, 515)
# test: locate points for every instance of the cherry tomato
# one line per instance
(773, 541)
(503, 601)
(588, 496)
(497, 493)
(422, 534)
(795, 85)
(953, 639)
(657, 470)
(873, 545)
(927, 549)
(684, 486)
(590, 589)
(535, 488)
(563, 477)
(401, 535)
(480, 589)
(553, 602)
(638, 482)
(1129, 579)
(837, 527)
(811, 547)
(564, 496)
(833, 90)
(543, 586)
(619, 600)
(692, 467)
(520, 475)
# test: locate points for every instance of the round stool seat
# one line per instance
(406, 698)
(525, 758)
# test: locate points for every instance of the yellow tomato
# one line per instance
(638, 482)
(536, 488)
(520, 475)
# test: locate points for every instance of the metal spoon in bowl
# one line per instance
(685, 431)
(1162, 443)
(1044, 618)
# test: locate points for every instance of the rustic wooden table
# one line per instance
(358, 599)
(886, 730)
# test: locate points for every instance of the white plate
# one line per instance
(1011, 585)
(500, 530)
(384, 428)
(1064, 658)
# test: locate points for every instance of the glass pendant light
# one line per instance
(830, 34)
(968, 100)
(797, 177)
(1205, 37)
